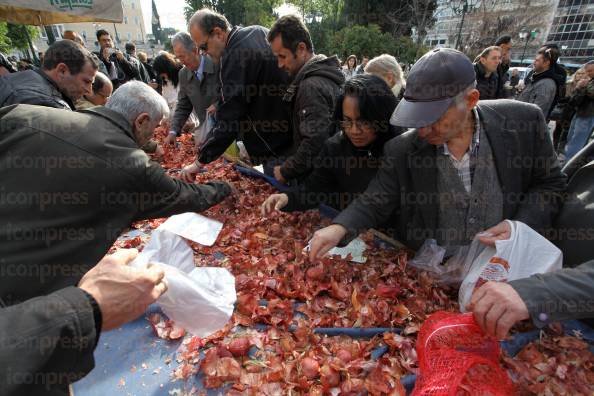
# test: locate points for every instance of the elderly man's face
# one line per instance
(100, 98)
(144, 128)
(190, 59)
(448, 126)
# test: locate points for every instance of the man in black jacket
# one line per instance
(252, 86)
(66, 75)
(47, 342)
(465, 169)
(485, 68)
(311, 95)
(119, 67)
(66, 195)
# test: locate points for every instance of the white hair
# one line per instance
(384, 64)
(185, 40)
(460, 99)
(134, 98)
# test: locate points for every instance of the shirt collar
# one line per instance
(474, 143)
(200, 72)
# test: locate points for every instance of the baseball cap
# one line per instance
(431, 86)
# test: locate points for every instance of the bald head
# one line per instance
(207, 19)
(102, 90)
(209, 31)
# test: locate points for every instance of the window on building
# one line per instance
(43, 33)
(129, 36)
(132, 5)
(138, 37)
(125, 20)
(136, 20)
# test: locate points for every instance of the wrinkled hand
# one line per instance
(325, 239)
(499, 232)
(122, 292)
(274, 202)
(119, 54)
(170, 139)
(188, 126)
(497, 307)
(278, 175)
(211, 110)
(188, 174)
(582, 83)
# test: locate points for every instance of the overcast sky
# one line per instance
(171, 13)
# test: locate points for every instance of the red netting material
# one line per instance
(456, 358)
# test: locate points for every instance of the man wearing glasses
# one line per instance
(102, 90)
(252, 86)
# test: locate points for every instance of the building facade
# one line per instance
(472, 25)
(132, 29)
(573, 30)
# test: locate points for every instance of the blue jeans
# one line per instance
(579, 132)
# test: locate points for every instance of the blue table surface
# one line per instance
(130, 360)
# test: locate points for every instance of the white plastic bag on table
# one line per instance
(525, 253)
(201, 133)
(201, 300)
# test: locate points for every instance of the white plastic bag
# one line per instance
(201, 133)
(525, 253)
(201, 300)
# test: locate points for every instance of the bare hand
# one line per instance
(274, 202)
(153, 84)
(119, 54)
(499, 232)
(122, 292)
(212, 109)
(105, 53)
(189, 173)
(497, 307)
(278, 175)
(582, 83)
(325, 239)
(170, 139)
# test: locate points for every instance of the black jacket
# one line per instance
(126, 69)
(251, 107)
(85, 181)
(32, 87)
(529, 174)
(341, 172)
(312, 98)
(71, 183)
(487, 86)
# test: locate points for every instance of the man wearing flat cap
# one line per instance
(464, 167)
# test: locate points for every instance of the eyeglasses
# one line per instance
(204, 45)
(361, 124)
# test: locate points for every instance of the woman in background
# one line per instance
(388, 68)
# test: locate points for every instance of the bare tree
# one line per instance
(493, 18)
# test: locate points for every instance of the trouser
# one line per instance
(579, 133)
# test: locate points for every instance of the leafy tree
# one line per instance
(5, 43)
(238, 12)
(17, 34)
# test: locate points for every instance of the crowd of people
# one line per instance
(449, 152)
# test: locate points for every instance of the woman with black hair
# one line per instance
(349, 159)
(167, 68)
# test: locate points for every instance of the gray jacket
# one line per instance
(406, 183)
(540, 92)
(560, 295)
(32, 87)
(195, 95)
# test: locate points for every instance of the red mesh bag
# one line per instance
(456, 358)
